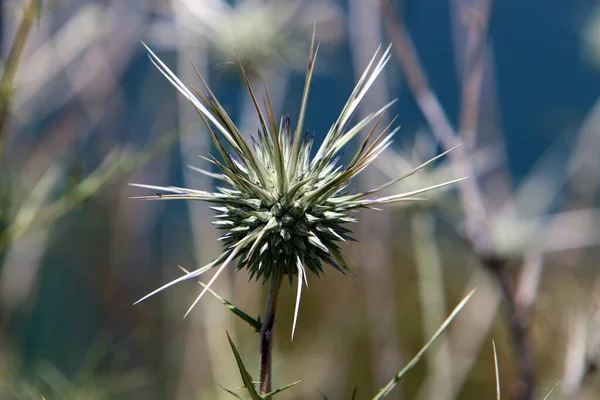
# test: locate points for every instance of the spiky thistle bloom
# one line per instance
(283, 211)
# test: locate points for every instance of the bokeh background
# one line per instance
(83, 112)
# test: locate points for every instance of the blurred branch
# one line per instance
(476, 220)
(575, 363)
(89, 65)
(473, 73)
(529, 280)
(11, 66)
(476, 217)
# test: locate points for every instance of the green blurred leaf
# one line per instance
(246, 378)
(35, 202)
(13, 61)
(388, 388)
(116, 162)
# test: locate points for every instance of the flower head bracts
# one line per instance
(283, 212)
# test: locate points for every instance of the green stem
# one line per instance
(266, 335)
(12, 61)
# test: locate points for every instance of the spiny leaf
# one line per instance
(190, 275)
(256, 324)
(295, 149)
(367, 139)
(498, 397)
(352, 132)
(235, 251)
(360, 90)
(551, 391)
(414, 171)
(278, 155)
(277, 391)
(175, 81)
(388, 388)
(301, 278)
(397, 197)
(246, 378)
(232, 393)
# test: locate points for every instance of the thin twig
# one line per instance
(477, 229)
(266, 335)
(476, 218)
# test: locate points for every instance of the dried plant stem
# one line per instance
(12, 61)
(477, 227)
(519, 328)
(477, 15)
(266, 335)
(476, 215)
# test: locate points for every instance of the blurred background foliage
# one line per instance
(83, 112)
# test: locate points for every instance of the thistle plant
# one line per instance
(285, 212)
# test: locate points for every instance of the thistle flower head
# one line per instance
(282, 210)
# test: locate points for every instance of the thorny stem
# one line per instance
(12, 61)
(266, 335)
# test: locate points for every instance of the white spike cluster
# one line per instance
(282, 211)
